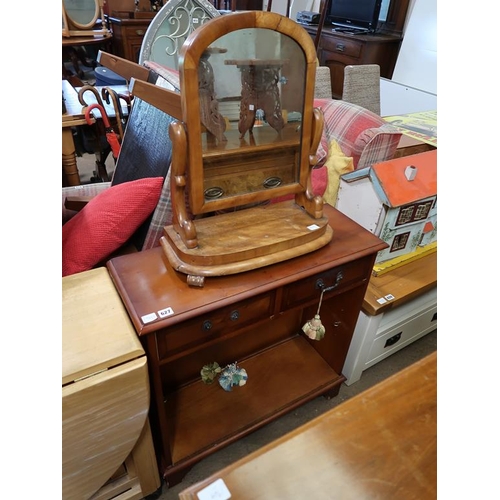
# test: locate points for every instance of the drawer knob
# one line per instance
(207, 325)
(139, 32)
(235, 315)
(340, 47)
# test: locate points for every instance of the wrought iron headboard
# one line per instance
(170, 27)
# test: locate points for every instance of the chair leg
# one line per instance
(101, 174)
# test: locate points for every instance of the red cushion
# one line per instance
(107, 222)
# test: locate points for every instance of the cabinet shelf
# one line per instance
(205, 416)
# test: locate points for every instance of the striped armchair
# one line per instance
(354, 132)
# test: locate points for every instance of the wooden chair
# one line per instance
(362, 86)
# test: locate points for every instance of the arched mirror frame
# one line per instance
(70, 27)
(190, 56)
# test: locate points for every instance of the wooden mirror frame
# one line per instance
(190, 56)
(72, 28)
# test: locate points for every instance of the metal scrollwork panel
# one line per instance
(170, 27)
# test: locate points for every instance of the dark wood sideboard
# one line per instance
(338, 50)
(254, 318)
(128, 34)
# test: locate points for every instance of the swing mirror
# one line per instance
(246, 90)
(249, 135)
(81, 16)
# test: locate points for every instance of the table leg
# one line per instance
(69, 166)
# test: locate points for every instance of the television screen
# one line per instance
(355, 14)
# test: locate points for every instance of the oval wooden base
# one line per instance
(249, 239)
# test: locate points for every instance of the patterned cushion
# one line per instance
(107, 222)
(361, 134)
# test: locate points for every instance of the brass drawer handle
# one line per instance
(272, 182)
(213, 193)
(139, 32)
(340, 47)
(235, 315)
(207, 325)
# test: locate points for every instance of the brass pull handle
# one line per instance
(340, 47)
(139, 32)
(272, 182)
(213, 193)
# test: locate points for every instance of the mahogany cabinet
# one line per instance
(128, 35)
(338, 50)
(254, 318)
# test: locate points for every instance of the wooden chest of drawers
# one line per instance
(337, 50)
(254, 318)
(127, 36)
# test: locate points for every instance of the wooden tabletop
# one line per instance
(96, 331)
(400, 285)
(379, 444)
(85, 40)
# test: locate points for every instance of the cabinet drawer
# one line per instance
(402, 334)
(213, 325)
(351, 48)
(134, 31)
(309, 289)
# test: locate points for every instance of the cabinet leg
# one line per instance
(332, 392)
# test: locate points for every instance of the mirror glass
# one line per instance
(251, 96)
(82, 14)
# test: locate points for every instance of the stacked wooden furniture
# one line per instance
(400, 305)
(107, 448)
(265, 265)
(379, 444)
(254, 318)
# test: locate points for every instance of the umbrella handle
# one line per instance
(104, 115)
(110, 94)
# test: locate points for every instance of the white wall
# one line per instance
(416, 65)
(413, 86)
(279, 6)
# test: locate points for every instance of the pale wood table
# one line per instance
(379, 444)
(404, 283)
(107, 446)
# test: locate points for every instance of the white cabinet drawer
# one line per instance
(377, 337)
(393, 339)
